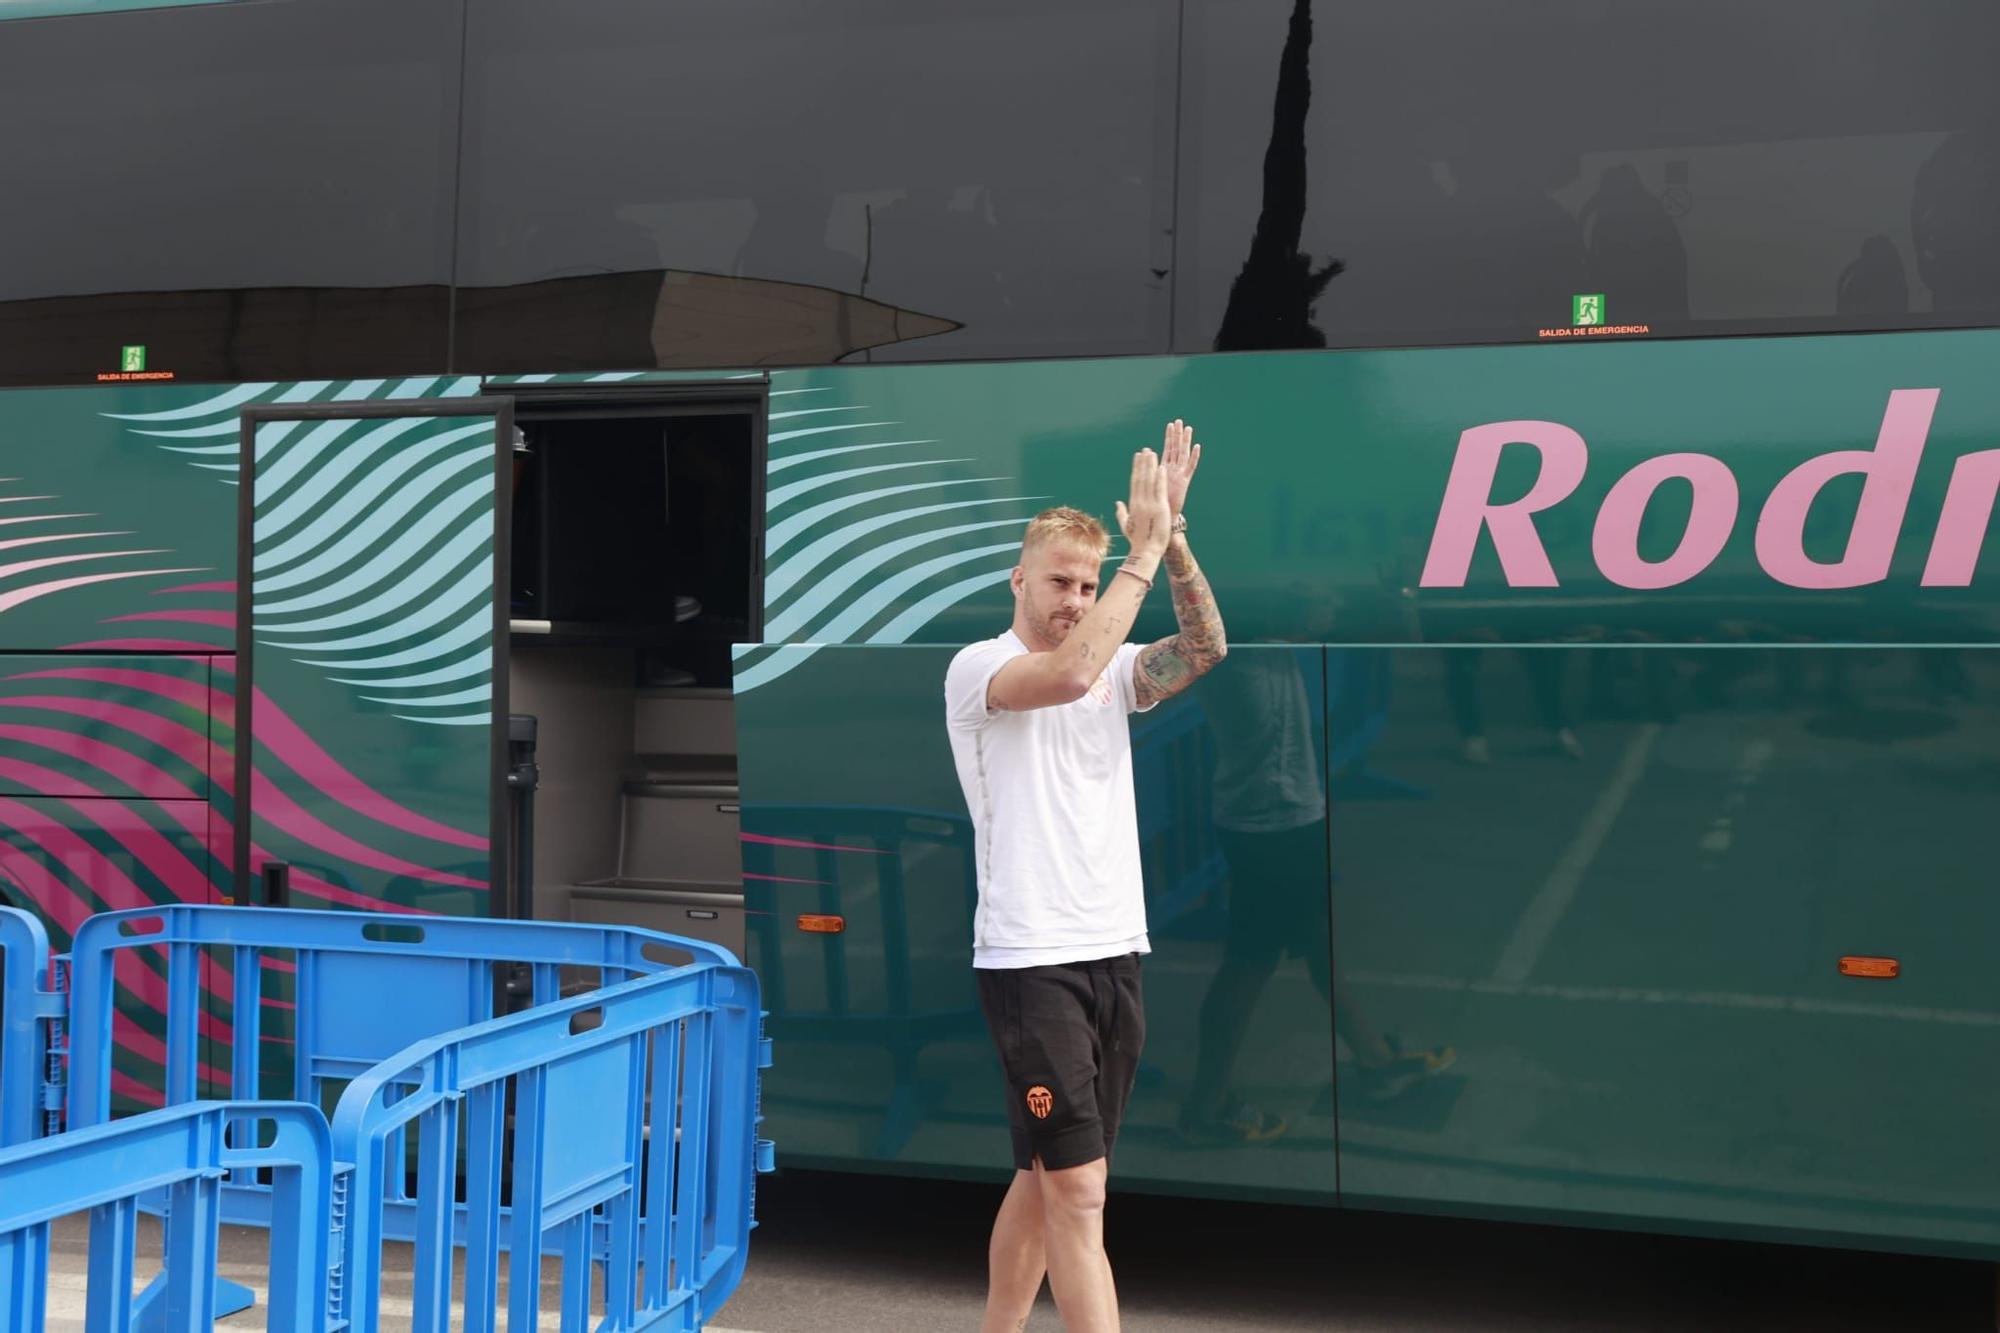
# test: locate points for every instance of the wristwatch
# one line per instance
(1180, 523)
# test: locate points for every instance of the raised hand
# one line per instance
(1178, 459)
(1147, 519)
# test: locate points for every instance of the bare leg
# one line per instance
(1015, 1258)
(1079, 1271)
(1370, 1048)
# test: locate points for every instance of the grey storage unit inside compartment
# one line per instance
(681, 831)
(702, 911)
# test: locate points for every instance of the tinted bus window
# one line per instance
(1461, 171)
(247, 191)
(769, 182)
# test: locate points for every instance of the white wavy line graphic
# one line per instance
(835, 585)
(337, 576)
(822, 595)
(380, 541)
(470, 666)
(360, 487)
(786, 658)
(214, 428)
(299, 457)
(475, 583)
(463, 547)
(780, 534)
(207, 407)
(799, 460)
(470, 630)
(329, 533)
(784, 495)
(780, 580)
(18, 582)
(218, 417)
(778, 437)
(355, 521)
(13, 542)
(811, 412)
(10, 600)
(40, 518)
(477, 694)
(922, 613)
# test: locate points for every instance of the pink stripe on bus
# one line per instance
(274, 806)
(816, 846)
(220, 619)
(304, 756)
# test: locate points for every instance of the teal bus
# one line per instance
(531, 458)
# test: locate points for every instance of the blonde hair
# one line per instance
(1066, 524)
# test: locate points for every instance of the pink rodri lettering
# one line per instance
(1961, 529)
(1890, 469)
(1468, 506)
(1615, 539)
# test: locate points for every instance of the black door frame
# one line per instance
(501, 408)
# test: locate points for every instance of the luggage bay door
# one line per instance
(372, 552)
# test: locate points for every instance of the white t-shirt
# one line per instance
(1053, 816)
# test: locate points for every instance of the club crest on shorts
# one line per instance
(1040, 1102)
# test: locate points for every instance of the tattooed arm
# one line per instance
(1166, 668)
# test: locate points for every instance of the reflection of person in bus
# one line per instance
(1270, 812)
(1037, 721)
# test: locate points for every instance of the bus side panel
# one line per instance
(67, 858)
(116, 529)
(1613, 887)
(85, 725)
(117, 612)
(1318, 514)
(852, 808)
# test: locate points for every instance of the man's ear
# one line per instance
(1016, 581)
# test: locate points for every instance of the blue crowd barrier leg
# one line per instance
(437, 1153)
(190, 1226)
(149, 1311)
(524, 1247)
(232, 1297)
(576, 1274)
(24, 1263)
(114, 1243)
(485, 1136)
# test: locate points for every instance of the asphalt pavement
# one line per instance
(872, 1253)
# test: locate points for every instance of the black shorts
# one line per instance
(1069, 1037)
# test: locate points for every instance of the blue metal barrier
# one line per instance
(634, 1110)
(367, 985)
(31, 1019)
(184, 1152)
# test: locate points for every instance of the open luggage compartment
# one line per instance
(637, 562)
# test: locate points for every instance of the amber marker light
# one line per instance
(1855, 965)
(822, 925)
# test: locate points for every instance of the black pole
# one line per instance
(523, 776)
